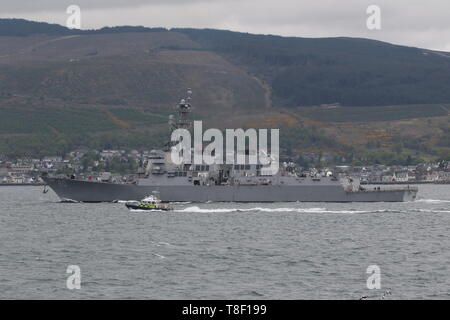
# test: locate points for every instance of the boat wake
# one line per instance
(431, 210)
(259, 209)
(433, 201)
(69, 201)
(306, 210)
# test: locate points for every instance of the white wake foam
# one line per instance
(196, 209)
(432, 201)
(64, 200)
(431, 210)
(299, 210)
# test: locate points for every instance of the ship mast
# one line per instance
(184, 108)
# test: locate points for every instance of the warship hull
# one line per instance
(88, 191)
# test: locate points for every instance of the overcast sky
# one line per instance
(420, 23)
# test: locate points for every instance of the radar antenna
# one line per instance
(184, 108)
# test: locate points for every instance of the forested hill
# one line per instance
(23, 28)
(349, 71)
(305, 71)
(117, 86)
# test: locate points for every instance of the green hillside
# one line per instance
(380, 113)
(349, 71)
(116, 87)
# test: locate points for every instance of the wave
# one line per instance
(299, 210)
(64, 200)
(430, 210)
(307, 210)
(433, 201)
(161, 243)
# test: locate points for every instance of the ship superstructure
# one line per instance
(222, 182)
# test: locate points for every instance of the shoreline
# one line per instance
(22, 184)
(404, 183)
(362, 183)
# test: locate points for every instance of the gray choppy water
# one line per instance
(224, 251)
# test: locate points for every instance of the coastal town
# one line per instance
(122, 166)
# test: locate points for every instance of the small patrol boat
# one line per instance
(150, 203)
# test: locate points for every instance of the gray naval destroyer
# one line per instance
(222, 183)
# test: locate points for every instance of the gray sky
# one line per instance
(421, 23)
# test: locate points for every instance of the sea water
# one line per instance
(224, 250)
